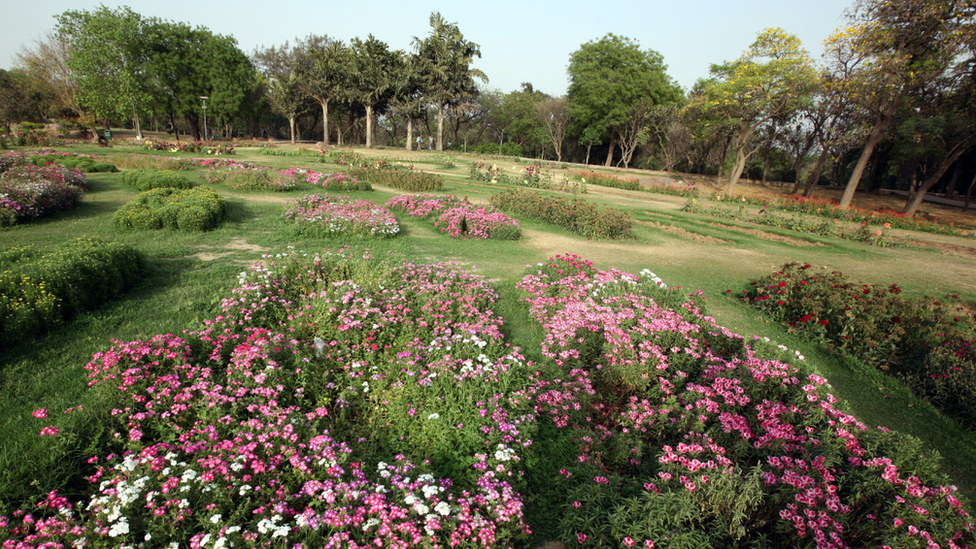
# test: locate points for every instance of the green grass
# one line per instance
(184, 289)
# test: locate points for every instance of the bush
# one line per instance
(606, 180)
(578, 216)
(334, 181)
(271, 151)
(204, 147)
(35, 138)
(344, 158)
(507, 149)
(926, 343)
(253, 178)
(146, 179)
(400, 178)
(197, 209)
(41, 289)
(151, 161)
(85, 163)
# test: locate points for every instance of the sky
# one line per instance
(521, 41)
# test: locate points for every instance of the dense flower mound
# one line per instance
(333, 181)
(28, 191)
(458, 217)
(333, 215)
(686, 436)
(205, 147)
(339, 401)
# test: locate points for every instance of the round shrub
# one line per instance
(197, 209)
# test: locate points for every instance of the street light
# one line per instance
(204, 99)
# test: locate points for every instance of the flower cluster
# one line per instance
(251, 178)
(204, 147)
(458, 217)
(29, 192)
(682, 426)
(332, 181)
(329, 215)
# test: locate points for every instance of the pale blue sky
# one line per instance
(527, 41)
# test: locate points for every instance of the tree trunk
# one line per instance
(369, 126)
(969, 193)
(951, 187)
(876, 135)
(815, 175)
(588, 153)
(135, 118)
(409, 146)
(291, 127)
(769, 151)
(440, 127)
(613, 144)
(325, 122)
(914, 202)
(741, 156)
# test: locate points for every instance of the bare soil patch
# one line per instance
(678, 231)
(236, 245)
(767, 235)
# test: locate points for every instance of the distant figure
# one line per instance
(264, 134)
(102, 142)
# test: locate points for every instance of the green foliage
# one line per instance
(927, 343)
(146, 179)
(400, 178)
(578, 216)
(506, 149)
(271, 151)
(151, 161)
(197, 209)
(84, 163)
(608, 77)
(40, 289)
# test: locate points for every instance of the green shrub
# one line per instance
(929, 344)
(86, 164)
(400, 178)
(271, 151)
(146, 179)
(130, 161)
(578, 216)
(41, 289)
(197, 209)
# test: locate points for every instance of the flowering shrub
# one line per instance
(345, 432)
(344, 158)
(205, 147)
(329, 215)
(606, 180)
(534, 176)
(196, 209)
(151, 161)
(28, 192)
(482, 171)
(578, 216)
(252, 178)
(35, 138)
(457, 217)
(40, 289)
(403, 179)
(685, 435)
(926, 343)
(829, 208)
(84, 162)
(333, 181)
(145, 179)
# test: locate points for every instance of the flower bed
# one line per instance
(128, 161)
(534, 176)
(84, 162)
(825, 207)
(331, 181)
(146, 179)
(457, 217)
(929, 344)
(29, 192)
(345, 432)
(252, 178)
(205, 147)
(41, 289)
(196, 209)
(673, 431)
(578, 216)
(332, 215)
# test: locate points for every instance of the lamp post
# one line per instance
(204, 99)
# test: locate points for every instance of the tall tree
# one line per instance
(108, 59)
(769, 82)
(370, 69)
(324, 77)
(607, 78)
(47, 61)
(554, 113)
(406, 93)
(22, 98)
(278, 65)
(444, 61)
(890, 49)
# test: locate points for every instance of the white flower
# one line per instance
(435, 415)
(443, 508)
(216, 518)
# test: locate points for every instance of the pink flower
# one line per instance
(628, 541)
(581, 538)
(577, 504)
(50, 431)
(39, 413)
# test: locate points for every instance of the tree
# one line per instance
(278, 65)
(890, 49)
(22, 98)
(554, 113)
(635, 131)
(444, 60)
(324, 76)
(47, 62)
(673, 136)
(370, 69)
(607, 78)
(770, 81)
(108, 58)
(288, 100)
(187, 63)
